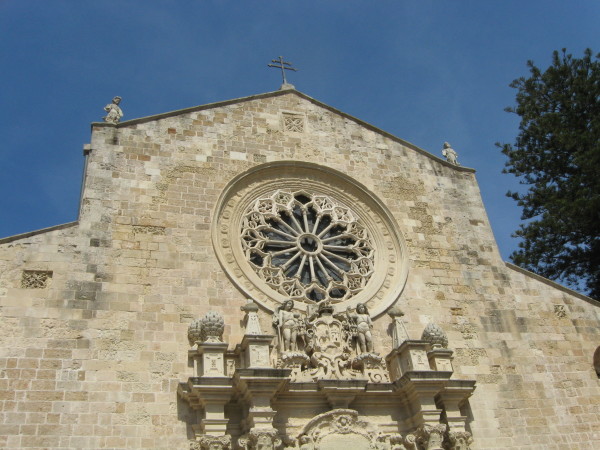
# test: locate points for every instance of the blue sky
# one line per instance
(426, 71)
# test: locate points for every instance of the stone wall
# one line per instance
(95, 313)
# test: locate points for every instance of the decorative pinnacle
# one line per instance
(283, 65)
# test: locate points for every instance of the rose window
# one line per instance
(307, 246)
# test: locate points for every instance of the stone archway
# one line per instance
(597, 361)
(340, 429)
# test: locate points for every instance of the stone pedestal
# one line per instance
(440, 359)
(211, 395)
(256, 351)
(209, 359)
(258, 387)
(453, 396)
(210, 390)
(409, 357)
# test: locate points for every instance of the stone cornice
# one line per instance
(16, 237)
(553, 284)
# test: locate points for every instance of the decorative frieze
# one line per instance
(293, 122)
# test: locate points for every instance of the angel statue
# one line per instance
(362, 320)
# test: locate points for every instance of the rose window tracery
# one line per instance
(307, 246)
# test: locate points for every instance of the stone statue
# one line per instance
(450, 154)
(362, 320)
(287, 323)
(114, 111)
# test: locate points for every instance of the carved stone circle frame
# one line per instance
(300, 230)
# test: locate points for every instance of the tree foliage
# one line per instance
(557, 156)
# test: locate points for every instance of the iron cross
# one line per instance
(281, 64)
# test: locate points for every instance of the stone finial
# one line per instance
(394, 312)
(399, 333)
(435, 336)
(213, 326)
(450, 154)
(114, 111)
(252, 322)
(208, 329)
(195, 332)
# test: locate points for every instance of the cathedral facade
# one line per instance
(269, 272)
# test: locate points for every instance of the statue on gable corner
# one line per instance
(114, 112)
(450, 154)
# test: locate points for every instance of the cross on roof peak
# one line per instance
(283, 65)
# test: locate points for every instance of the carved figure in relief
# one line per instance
(450, 154)
(362, 320)
(114, 111)
(288, 324)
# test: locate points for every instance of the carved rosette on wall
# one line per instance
(306, 246)
(303, 231)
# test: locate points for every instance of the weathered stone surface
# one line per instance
(93, 356)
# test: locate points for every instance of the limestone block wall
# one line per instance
(92, 356)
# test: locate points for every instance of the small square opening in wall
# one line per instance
(36, 279)
(293, 122)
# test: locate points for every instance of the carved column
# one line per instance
(454, 394)
(210, 390)
(413, 375)
(258, 387)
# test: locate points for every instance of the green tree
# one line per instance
(557, 156)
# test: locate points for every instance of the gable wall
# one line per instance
(94, 359)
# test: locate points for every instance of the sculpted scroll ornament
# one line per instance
(208, 442)
(459, 440)
(258, 439)
(431, 437)
(322, 346)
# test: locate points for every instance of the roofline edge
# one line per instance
(16, 237)
(274, 94)
(553, 284)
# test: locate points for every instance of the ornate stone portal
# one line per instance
(320, 385)
(320, 254)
